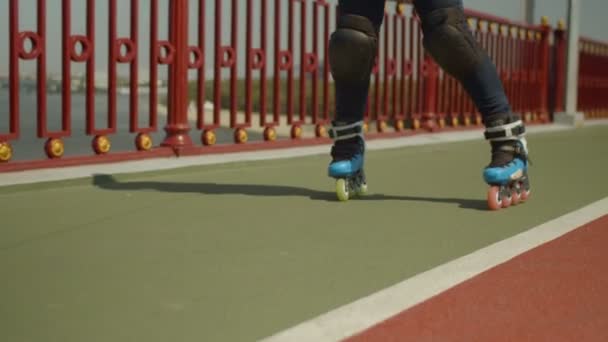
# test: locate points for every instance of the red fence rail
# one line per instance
(593, 79)
(278, 75)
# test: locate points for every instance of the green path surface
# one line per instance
(237, 252)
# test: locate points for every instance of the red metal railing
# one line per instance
(593, 79)
(277, 78)
(396, 92)
(557, 86)
(521, 54)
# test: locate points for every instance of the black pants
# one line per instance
(483, 85)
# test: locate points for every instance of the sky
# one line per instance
(592, 24)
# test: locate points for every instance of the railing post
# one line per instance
(544, 72)
(573, 59)
(431, 75)
(177, 122)
(559, 68)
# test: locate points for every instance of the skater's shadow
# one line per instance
(108, 182)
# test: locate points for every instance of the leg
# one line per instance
(353, 48)
(352, 53)
(448, 39)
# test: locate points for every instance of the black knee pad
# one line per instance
(352, 49)
(449, 41)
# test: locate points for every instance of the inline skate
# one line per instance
(348, 159)
(507, 173)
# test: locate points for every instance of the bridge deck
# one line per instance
(240, 251)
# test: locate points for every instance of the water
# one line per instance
(30, 147)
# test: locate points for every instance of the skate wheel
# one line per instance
(494, 198)
(525, 194)
(362, 190)
(515, 196)
(342, 190)
(507, 199)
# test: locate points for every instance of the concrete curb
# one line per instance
(160, 164)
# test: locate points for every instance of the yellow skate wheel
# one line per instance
(362, 191)
(342, 190)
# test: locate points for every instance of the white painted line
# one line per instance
(159, 164)
(367, 312)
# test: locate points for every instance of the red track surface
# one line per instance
(556, 292)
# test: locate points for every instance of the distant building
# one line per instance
(101, 80)
(3, 82)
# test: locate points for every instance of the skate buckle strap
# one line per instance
(347, 131)
(510, 131)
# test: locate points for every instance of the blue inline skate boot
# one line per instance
(507, 173)
(348, 154)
